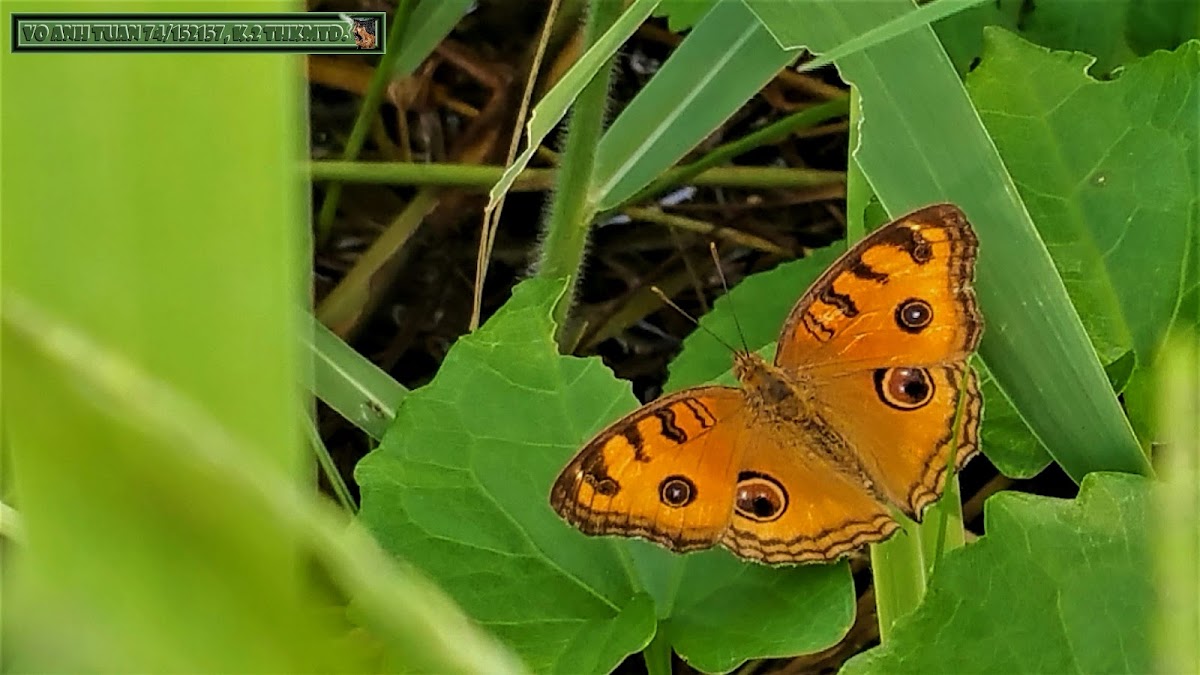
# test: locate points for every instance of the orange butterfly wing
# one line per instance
(666, 472)
(884, 335)
(901, 296)
(690, 470)
(905, 442)
(790, 507)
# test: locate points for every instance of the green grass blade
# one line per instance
(350, 384)
(724, 61)
(898, 573)
(553, 106)
(900, 567)
(657, 655)
(430, 23)
(922, 142)
(140, 258)
(774, 16)
(328, 467)
(726, 58)
(801, 119)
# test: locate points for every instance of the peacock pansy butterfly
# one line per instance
(857, 414)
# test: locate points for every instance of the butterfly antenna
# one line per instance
(712, 248)
(671, 303)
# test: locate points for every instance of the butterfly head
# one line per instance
(767, 388)
(747, 366)
(759, 377)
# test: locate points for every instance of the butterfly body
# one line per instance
(858, 416)
(787, 406)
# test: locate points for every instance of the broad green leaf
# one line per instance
(724, 61)
(725, 611)
(1189, 305)
(1097, 28)
(1114, 199)
(1116, 32)
(553, 106)
(1165, 24)
(1118, 205)
(1069, 192)
(1189, 308)
(1084, 192)
(1121, 371)
(962, 34)
(1140, 396)
(1054, 586)
(922, 142)
(460, 487)
(350, 384)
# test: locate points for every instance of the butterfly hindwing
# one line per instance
(911, 433)
(792, 507)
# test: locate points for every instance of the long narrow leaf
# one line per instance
(553, 106)
(724, 61)
(430, 23)
(350, 384)
(773, 15)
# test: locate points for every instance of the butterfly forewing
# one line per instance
(902, 296)
(666, 472)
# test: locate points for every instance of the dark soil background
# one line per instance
(461, 106)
